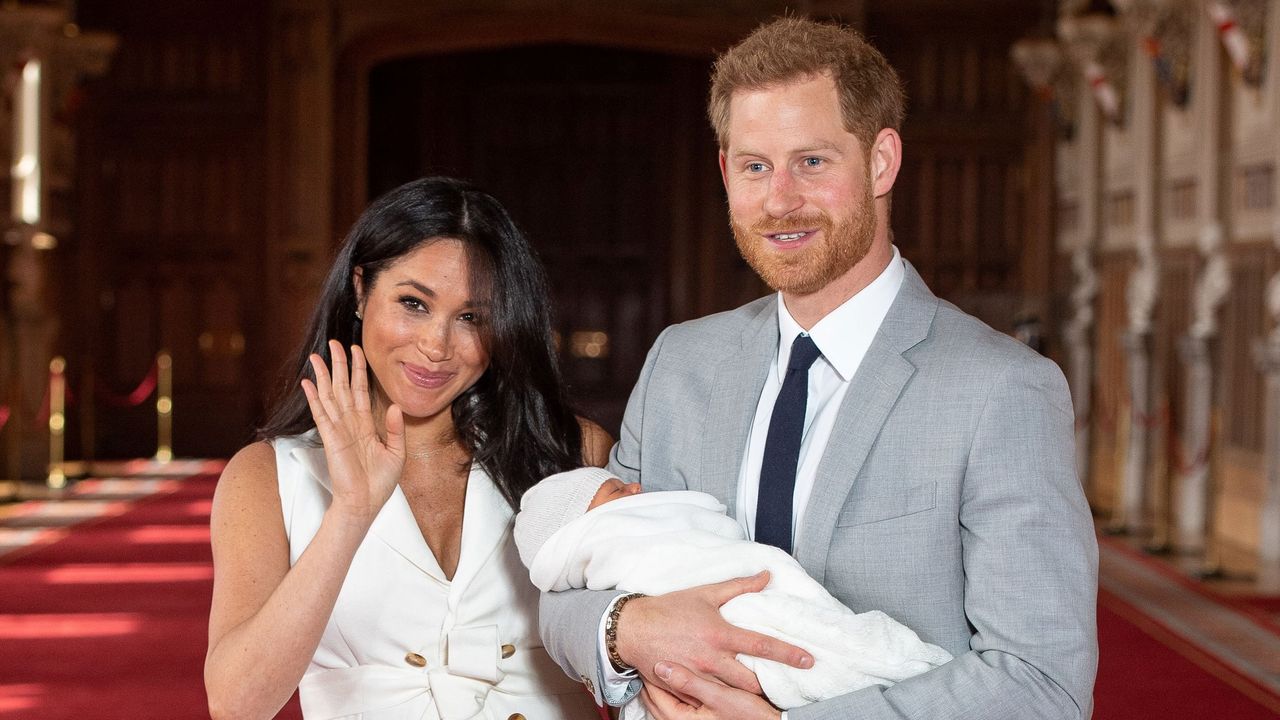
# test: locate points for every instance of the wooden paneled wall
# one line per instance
(1243, 393)
(582, 175)
(961, 203)
(1111, 399)
(220, 119)
(171, 222)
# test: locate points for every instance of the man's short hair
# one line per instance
(791, 48)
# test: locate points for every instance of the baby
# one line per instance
(587, 529)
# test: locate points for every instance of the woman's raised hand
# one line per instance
(363, 467)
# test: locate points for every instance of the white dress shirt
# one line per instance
(842, 336)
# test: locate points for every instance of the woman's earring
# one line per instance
(359, 316)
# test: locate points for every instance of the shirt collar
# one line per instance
(845, 333)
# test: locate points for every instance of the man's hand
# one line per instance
(708, 699)
(686, 628)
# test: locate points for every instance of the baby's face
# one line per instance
(612, 489)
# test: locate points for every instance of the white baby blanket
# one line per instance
(659, 542)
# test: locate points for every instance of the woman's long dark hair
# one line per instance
(515, 420)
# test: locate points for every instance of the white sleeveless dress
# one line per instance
(403, 642)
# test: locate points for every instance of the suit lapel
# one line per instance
(732, 407)
(873, 392)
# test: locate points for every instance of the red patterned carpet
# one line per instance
(104, 597)
(106, 617)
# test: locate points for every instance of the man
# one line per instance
(912, 459)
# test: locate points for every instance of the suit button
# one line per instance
(415, 659)
(508, 651)
(515, 716)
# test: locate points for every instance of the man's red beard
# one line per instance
(841, 245)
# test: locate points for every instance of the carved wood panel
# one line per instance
(1243, 323)
(172, 215)
(1111, 393)
(959, 203)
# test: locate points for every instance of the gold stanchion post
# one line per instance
(164, 407)
(57, 422)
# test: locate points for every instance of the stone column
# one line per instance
(1194, 496)
(1079, 334)
(1083, 39)
(1195, 489)
(1140, 18)
(1268, 357)
(1141, 294)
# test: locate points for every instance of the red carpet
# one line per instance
(110, 622)
(1145, 671)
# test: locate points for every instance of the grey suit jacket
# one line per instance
(946, 497)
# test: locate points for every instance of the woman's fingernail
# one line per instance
(663, 670)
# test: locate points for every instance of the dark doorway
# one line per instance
(602, 156)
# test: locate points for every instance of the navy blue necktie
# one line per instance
(782, 448)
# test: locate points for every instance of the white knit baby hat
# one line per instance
(547, 506)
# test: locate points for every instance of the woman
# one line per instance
(362, 549)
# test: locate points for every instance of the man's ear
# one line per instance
(724, 172)
(886, 160)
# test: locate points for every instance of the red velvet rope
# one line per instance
(135, 398)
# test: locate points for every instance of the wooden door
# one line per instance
(170, 223)
(602, 156)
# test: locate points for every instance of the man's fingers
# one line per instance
(723, 592)
(662, 704)
(735, 674)
(755, 644)
(684, 682)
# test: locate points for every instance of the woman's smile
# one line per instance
(424, 378)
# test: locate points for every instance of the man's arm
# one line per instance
(1031, 568)
(683, 626)
(569, 621)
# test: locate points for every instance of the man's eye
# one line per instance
(755, 167)
(812, 162)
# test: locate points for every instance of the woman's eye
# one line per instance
(470, 317)
(412, 303)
